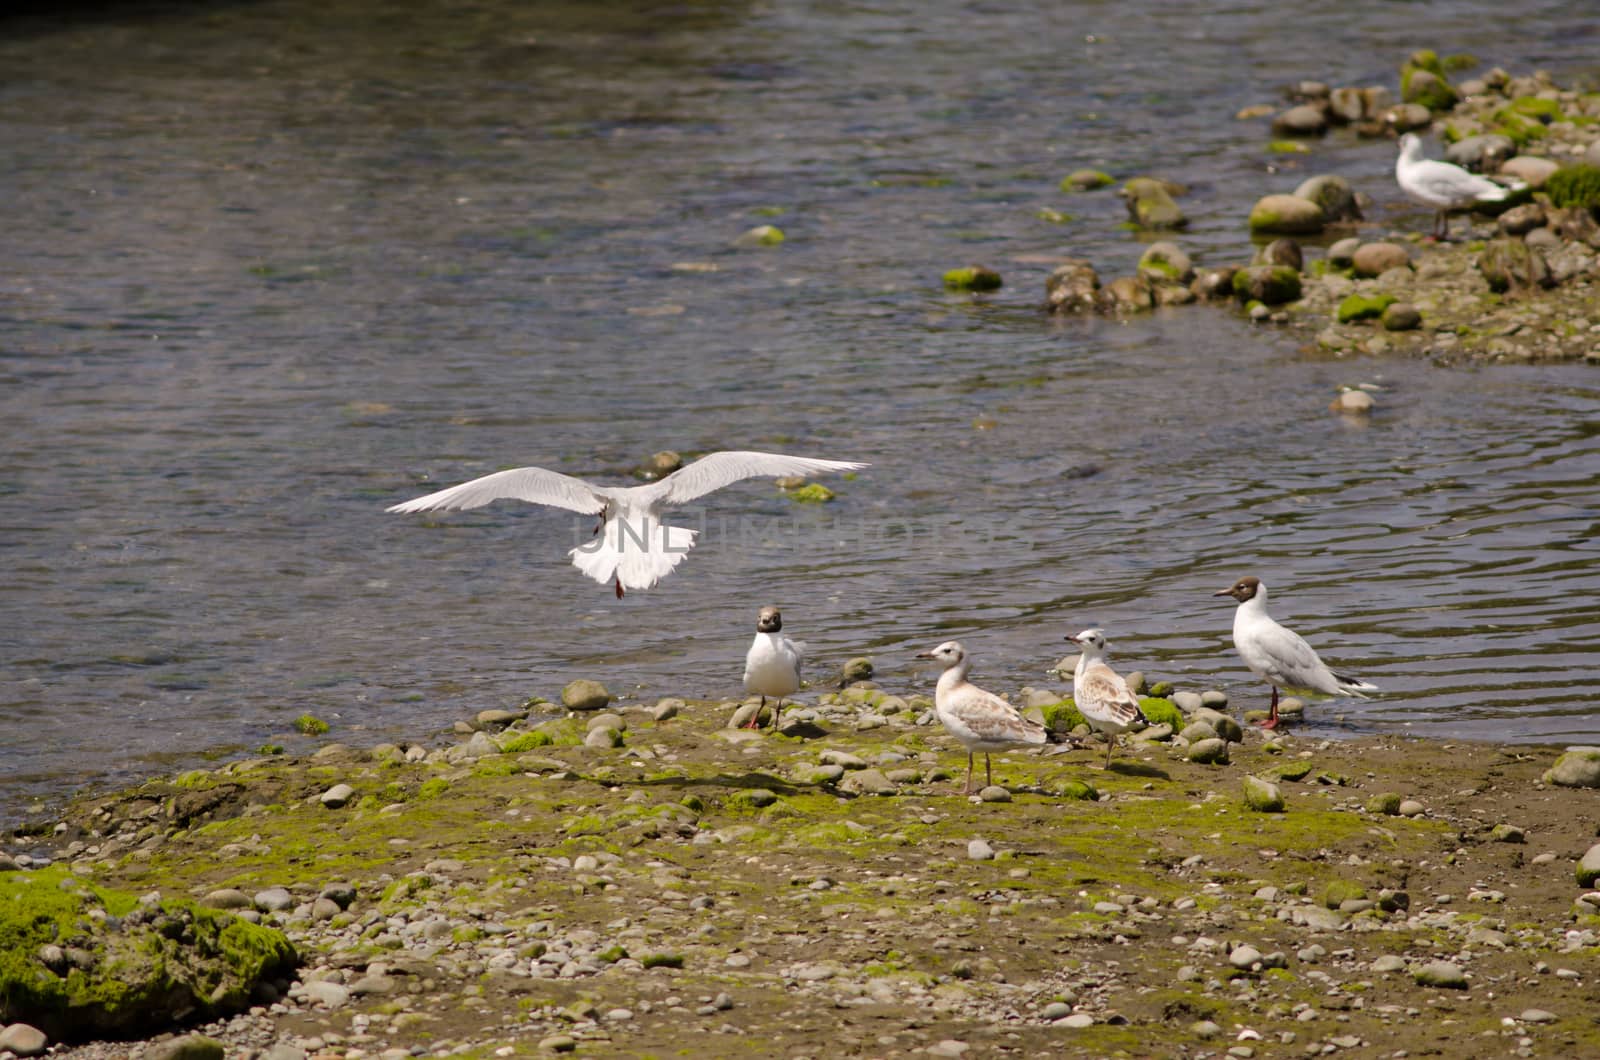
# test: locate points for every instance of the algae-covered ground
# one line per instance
(701, 891)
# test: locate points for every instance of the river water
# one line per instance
(269, 267)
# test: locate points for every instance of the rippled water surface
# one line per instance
(270, 267)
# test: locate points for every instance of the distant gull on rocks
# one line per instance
(633, 548)
(1100, 693)
(979, 720)
(1280, 656)
(772, 665)
(1441, 186)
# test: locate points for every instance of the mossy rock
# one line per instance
(762, 236)
(1518, 128)
(1086, 180)
(525, 741)
(1429, 90)
(1262, 796)
(1297, 770)
(1577, 185)
(1423, 60)
(1159, 710)
(1062, 717)
(1543, 111)
(1286, 215)
(310, 725)
(1340, 891)
(151, 965)
(1077, 789)
(1386, 803)
(973, 278)
(1363, 307)
(1267, 284)
(810, 493)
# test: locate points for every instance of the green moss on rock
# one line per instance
(1363, 307)
(1267, 284)
(310, 725)
(1577, 185)
(973, 278)
(526, 741)
(810, 493)
(1158, 711)
(152, 965)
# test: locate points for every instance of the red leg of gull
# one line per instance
(968, 789)
(619, 586)
(755, 719)
(1272, 716)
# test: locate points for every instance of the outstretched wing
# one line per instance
(533, 484)
(716, 470)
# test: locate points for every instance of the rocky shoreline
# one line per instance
(628, 879)
(1519, 285)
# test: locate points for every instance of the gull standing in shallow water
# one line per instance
(772, 665)
(1100, 693)
(979, 720)
(1278, 655)
(1441, 186)
(633, 548)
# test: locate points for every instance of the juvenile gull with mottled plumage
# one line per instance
(1100, 693)
(979, 720)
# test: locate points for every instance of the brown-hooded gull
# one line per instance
(1441, 186)
(632, 547)
(772, 665)
(1280, 656)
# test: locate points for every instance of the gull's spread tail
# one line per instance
(633, 553)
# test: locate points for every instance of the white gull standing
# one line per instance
(1441, 186)
(633, 548)
(772, 665)
(979, 720)
(1278, 655)
(1100, 693)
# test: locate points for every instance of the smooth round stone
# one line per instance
(1196, 731)
(1205, 1029)
(274, 899)
(1538, 1015)
(1388, 963)
(1411, 808)
(495, 718)
(584, 694)
(666, 708)
(337, 796)
(994, 793)
(1374, 259)
(1244, 957)
(333, 995)
(1208, 752)
(227, 898)
(1214, 699)
(606, 720)
(1077, 1021)
(980, 850)
(1441, 974)
(1059, 1010)
(558, 1043)
(1188, 702)
(23, 1040)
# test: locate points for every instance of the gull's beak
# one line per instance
(1224, 592)
(1073, 638)
(923, 655)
